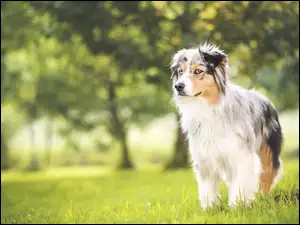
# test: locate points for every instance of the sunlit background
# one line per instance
(86, 89)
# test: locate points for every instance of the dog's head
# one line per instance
(199, 73)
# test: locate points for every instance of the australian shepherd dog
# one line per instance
(233, 133)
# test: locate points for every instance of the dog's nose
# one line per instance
(179, 87)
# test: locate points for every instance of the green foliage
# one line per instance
(106, 64)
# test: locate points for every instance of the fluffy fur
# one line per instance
(234, 134)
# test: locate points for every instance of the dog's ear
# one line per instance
(212, 56)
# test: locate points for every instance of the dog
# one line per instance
(233, 133)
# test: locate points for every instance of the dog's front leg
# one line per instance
(244, 180)
(207, 187)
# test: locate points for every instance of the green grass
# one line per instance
(134, 197)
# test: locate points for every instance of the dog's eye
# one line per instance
(180, 71)
(197, 71)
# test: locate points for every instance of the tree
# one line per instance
(110, 45)
(175, 25)
(117, 48)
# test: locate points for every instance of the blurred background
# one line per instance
(87, 84)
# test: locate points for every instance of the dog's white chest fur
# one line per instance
(212, 142)
(212, 150)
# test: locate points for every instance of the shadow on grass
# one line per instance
(287, 196)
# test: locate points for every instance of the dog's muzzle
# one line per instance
(180, 87)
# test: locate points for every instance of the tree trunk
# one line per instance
(4, 154)
(126, 163)
(34, 165)
(180, 158)
(118, 128)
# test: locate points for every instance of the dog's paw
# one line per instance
(232, 205)
(240, 203)
(207, 206)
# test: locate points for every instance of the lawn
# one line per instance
(102, 196)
